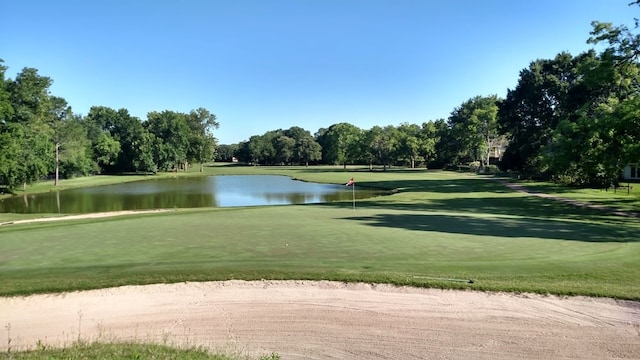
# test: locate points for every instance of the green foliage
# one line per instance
(474, 126)
(340, 144)
(283, 147)
(226, 152)
(6, 109)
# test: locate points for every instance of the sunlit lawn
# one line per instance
(439, 227)
(626, 198)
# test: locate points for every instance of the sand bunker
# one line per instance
(331, 320)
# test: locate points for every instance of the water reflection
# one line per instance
(212, 191)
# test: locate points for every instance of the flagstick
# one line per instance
(353, 191)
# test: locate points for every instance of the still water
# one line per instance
(210, 191)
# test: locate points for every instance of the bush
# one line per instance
(489, 169)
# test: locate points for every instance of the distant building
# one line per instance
(631, 172)
(497, 150)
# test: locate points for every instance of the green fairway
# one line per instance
(439, 226)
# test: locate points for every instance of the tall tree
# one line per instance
(285, 148)
(381, 143)
(32, 104)
(173, 132)
(136, 146)
(534, 108)
(72, 147)
(101, 129)
(339, 144)
(202, 143)
(429, 138)
(6, 109)
(305, 148)
(474, 125)
(308, 149)
(409, 142)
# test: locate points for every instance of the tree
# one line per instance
(9, 148)
(32, 113)
(308, 149)
(70, 141)
(6, 109)
(105, 148)
(534, 108)
(428, 139)
(105, 151)
(446, 147)
(592, 144)
(474, 125)
(285, 148)
(410, 142)
(381, 143)
(226, 152)
(305, 146)
(339, 144)
(136, 146)
(72, 148)
(202, 143)
(173, 132)
(11, 135)
(260, 148)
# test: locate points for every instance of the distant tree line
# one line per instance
(41, 137)
(574, 119)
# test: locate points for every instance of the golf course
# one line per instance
(437, 225)
(437, 230)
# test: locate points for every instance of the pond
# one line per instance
(192, 192)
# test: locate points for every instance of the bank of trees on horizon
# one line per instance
(574, 119)
(41, 137)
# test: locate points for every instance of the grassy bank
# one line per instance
(97, 350)
(440, 229)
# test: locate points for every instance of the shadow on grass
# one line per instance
(501, 227)
(515, 205)
(439, 186)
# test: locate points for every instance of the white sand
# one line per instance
(331, 320)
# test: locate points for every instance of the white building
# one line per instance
(631, 172)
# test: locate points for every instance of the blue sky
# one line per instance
(262, 65)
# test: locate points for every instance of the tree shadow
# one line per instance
(526, 227)
(509, 203)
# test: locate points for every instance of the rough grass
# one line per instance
(438, 226)
(98, 350)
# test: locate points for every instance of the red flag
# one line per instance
(350, 182)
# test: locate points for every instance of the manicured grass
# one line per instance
(438, 226)
(625, 199)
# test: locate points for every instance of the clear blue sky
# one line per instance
(268, 64)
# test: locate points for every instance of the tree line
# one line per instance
(574, 119)
(41, 137)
